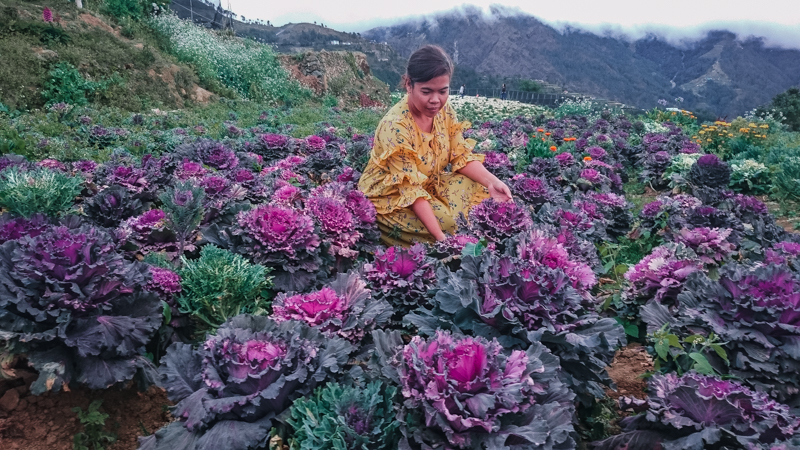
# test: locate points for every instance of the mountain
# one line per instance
(718, 74)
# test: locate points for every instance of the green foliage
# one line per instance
(537, 148)
(94, 435)
(787, 180)
(529, 86)
(329, 101)
(682, 355)
(183, 205)
(750, 177)
(220, 285)
(11, 23)
(37, 191)
(65, 84)
(788, 104)
(11, 142)
(351, 61)
(121, 9)
(333, 416)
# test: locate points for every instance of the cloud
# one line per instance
(677, 21)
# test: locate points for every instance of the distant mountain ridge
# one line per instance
(718, 74)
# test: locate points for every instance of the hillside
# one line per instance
(718, 74)
(140, 75)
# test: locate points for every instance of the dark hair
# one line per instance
(427, 63)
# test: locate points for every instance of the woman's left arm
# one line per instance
(475, 171)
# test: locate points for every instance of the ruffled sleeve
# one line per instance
(394, 180)
(460, 148)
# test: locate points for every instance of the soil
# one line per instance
(47, 422)
(627, 368)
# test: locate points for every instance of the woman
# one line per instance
(406, 178)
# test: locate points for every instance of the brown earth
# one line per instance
(627, 368)
(93, 21)
(47, 422)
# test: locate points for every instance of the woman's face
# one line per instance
(428, 98)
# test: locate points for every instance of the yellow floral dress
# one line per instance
(406, 164)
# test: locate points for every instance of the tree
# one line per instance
(788, 103)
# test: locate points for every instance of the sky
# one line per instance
(775, 20)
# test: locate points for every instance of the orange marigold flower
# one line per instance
(587, 158)
(539, 130)
(553, 148)
(547, 134)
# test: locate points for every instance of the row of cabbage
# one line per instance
(253, 266)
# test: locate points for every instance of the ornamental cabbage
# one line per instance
(342, 417)
(497, 221)
(468, 393)
(345, 308)
(499, 164)
(521, 302)
(534, 191)
(756, 311)
(785, 252)
(709, 244)
(696, 412)
(111, 206)
(401, 276)
(76, 307)
(150, 233)
(710, 171)
(345, 217)
(13, 228)
(229, 390)
(660, 275)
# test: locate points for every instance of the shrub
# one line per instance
(341, 417)
(220, 285)
(787, 180)
(40, 190)
(64, 84)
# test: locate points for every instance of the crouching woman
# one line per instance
(422, 173)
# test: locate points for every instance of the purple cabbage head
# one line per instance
(111, 206)
(345, 308)
(699, 411)
(532, 190)
(660, 275)
(496, 221)
(402, 276)
(76, 307)
(345, 217)
(468, 393)
(710, 171)
(13, 227)
(230, 389)
(710, 244)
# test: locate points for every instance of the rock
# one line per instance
(22, 390)
(139, 46)
(201, 95)
(45, 54)
(10, 400)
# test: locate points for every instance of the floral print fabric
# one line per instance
(406, 164)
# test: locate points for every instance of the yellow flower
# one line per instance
(752, 125)
(763, 126)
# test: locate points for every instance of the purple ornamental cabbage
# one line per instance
(453, 245)
(401, 276)
(13, 228)
(615, 211)
(660, 275)
(710, 217)
(345, 217)
(755, 310)
(150, 233)
(596, 152)
(709, 171)
(522, 303)
(534, 191)
(76, 307)
(468, 393)
(345, 308)
(314, 143)
(710, 244)
(499, 164)
(694, 412)
(498, 221)
(783, 253)
(538, 248)
(591, 175)
(565, 158)
(229, 390)
(109, 207)
(188, 170)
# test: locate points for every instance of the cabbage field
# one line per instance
(228, 258)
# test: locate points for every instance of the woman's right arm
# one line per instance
(422, 208)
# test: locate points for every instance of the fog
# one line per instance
(678, 21)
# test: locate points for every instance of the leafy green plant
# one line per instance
(220, 285)
(121, 9)
(682, 355)
(65, 84)
(40, 190)
(787, 180)
(183, 205)
(750, 177)
(94, 435)
(329, 101)
(340, 417)
(529, 86)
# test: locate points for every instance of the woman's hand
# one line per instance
(499, 191)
